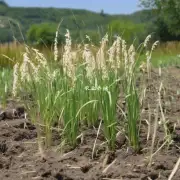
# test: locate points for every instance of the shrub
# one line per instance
(43, 34)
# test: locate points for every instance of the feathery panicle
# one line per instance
(27, 49)
(100, 57)
(24, 68)
(100, 54)
(118, 51)
(148, 57)
(154, 45)
(56, 47)
(131, 53)
(90, 61)
(40, 58)
(15, 79)
(147, 40)
(87, 37)
(125, 54)
(111, 53)
(143, 67)
(124, 46)
(35, 70)
(67, 51)
(68, 66)
(43, 61)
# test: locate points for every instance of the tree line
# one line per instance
(38, 25)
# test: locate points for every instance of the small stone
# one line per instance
(10, 114)
(58, 176)
(86, 168)
(20, 110)
(2, 115)
(153, 175)
(3, 147)
(120, 140)
(131, 151)
(46, 174)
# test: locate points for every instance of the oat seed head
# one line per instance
(100, 57)
(68, 66)
(147, 40)
(15, 79)
(118, 51)
(89, 60)
(87, 37)
(24, 68)
(154, 45)
(40, 58)
(56, 46)
(132, 53)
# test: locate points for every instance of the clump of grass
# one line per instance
(77, 88)
(131, 96)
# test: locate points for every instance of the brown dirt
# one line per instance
(19, 157)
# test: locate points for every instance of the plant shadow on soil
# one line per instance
(19, 157)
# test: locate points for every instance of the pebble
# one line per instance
(10, 114)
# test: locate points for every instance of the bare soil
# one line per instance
(20, 158)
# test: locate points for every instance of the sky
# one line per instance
(109, 6)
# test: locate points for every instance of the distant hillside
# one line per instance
(74, 20)
(3, 3)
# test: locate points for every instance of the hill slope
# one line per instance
(74, 20)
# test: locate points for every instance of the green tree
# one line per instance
(42, 34)
(102, 13)
(128, 30)
(168, 12)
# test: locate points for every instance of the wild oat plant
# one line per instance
(80, 88)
